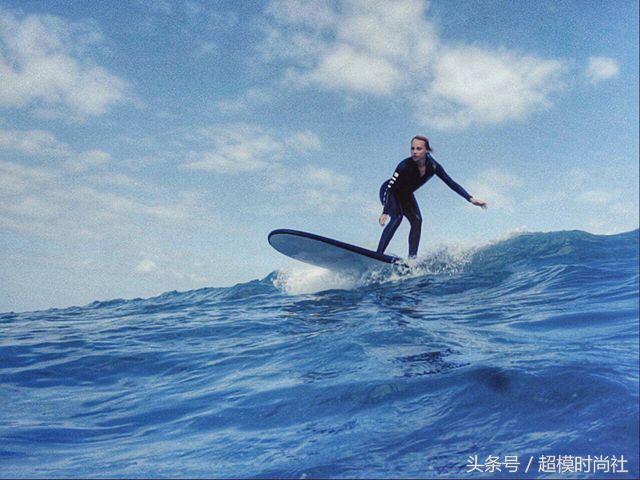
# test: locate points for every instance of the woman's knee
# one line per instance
(416, 222)
(395, 220)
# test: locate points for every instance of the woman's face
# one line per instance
(418, 150)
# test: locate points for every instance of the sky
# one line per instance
(152, 145)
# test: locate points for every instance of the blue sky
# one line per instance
(148, 146)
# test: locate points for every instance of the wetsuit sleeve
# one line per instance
(392, 187)
(449, 181)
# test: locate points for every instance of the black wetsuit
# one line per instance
(398, 200)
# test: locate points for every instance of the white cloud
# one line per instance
(276, 158)
(601, 68)
(546, 198)
(15, 178)
(114, 179)
(302, 48)
(44, 61)
(308, 177)
(79, 214)
(237, 149)
(229, 161)
(315, 14)
(613, 216)
(45, 144)
(601, 203)
(324, 178)
(396, 31)
(72, 207)
(597, 197)
(30, 206)
(161, 7)
(370, 47)
(625, 209)
(353, 70)
(496, 188)
(500, 179)
(146, 266)
(391, 49)
(313, 188)
(94, 90)
(115, 204)
(241, 148)
(33, 142)
(89, 160)
(304, 141)
(252, 97)
(476, 86)
(209, 14)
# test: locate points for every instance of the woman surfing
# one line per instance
(398, 200)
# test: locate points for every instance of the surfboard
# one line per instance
(326, 252)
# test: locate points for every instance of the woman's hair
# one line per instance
(425, 140)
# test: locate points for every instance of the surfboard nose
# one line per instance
(326, 252)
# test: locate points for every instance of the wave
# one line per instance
(485, 265)
(543, 258)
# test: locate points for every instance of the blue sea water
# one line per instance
(524, 348)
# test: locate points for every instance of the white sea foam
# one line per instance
(442, 260)
(297, 280)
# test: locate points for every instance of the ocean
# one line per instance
(515, 359)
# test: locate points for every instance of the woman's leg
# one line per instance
(388, 232)
(412, 212)
(395, 212)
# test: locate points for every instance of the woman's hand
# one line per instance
(383, 219)
(478, 202)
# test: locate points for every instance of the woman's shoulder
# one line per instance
(432, 160)
(405, 163)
